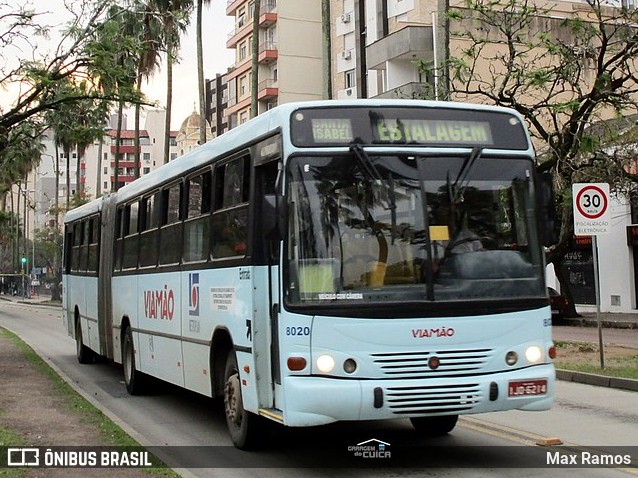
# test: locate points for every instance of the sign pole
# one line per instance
(592, 215)
(597, 292)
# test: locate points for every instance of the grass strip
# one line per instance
(110, 432)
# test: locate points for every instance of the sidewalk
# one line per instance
(42, 299)
(608, 320)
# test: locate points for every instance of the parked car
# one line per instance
(558, 304)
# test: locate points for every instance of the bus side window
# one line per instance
(94, 231)
(149, 220)
(197, 224)
(84, 247)
(131, 236)
(230, 219)
(171, 226)
(119, 241)
(77, 242)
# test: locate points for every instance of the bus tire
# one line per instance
(133, 378)
(435, 426)
(245, 428)
(82, 352)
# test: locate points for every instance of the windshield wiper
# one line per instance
(462, 181)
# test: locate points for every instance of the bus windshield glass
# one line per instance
(399, 228)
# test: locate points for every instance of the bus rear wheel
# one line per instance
(133, 379)
(435, 426)
(245, 428)
(82, 352)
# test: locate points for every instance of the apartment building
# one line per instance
(216, 91)
(289, 59)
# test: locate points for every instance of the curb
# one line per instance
(597, 380)
(607, 324)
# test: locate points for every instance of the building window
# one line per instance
(243, 86)
(350, 79)
(243, 51)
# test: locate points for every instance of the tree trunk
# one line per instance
(136, 174)
(254, 84)
(118, 134)
(57, 187)
(200, 75)
(327, 49)
(169, 102)
(67, 153)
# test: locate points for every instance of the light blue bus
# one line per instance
(326, 261)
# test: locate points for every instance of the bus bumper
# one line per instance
(320, 400)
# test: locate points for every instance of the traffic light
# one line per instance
(23, 260)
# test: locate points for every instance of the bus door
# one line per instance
(266, 280)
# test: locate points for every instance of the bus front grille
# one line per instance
(433, 399)
(420, 364)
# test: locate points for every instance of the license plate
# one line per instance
(523, 388)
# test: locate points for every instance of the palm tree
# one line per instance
(200, 72)
(116, 50)
(175, 16)
(149, 61)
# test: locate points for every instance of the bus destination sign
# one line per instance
(407, 126)
(425, 131)
(327, 130)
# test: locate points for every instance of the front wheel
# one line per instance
(435, 426)
(245, 428)
(133, 378)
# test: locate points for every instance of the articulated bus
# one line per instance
(327, 261)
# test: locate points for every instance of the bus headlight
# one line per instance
(325, 363)
(533, 354)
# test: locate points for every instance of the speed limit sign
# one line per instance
(592, 211)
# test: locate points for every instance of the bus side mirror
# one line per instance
(546, 209)
(273, 217)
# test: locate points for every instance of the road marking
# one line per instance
(500, 431)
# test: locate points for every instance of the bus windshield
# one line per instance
(398, 228)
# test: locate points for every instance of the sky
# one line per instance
(217, 58)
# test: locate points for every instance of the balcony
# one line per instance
(413, 90)
(268, 52)
(123, 149)
(408, 44)
(233, 5)
(267, 14)
(239, 33)
(267, 89)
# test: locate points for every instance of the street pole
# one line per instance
(597, 292)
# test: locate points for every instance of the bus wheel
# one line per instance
(132, 378)
(82, 352)
(435, 426)
(244, 427)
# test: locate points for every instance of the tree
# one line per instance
(36, 79)
(562, 75)
(76, 125)
(200, 72)
(117, 48)
(150, 36)
(175, 16)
